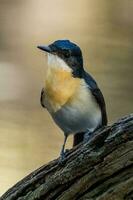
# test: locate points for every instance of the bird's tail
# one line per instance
(78, 138)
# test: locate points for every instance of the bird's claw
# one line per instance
(63, 156)
(87, 136)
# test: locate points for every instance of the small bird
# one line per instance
(70, 94)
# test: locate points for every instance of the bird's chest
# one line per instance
(60, 87)
(79, 113)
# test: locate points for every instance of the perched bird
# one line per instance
(70, 94)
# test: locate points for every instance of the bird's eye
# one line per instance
(66, 53)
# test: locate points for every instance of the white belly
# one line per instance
(80, 114)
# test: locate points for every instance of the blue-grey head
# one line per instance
(69, 52)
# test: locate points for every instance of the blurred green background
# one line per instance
(104, 31)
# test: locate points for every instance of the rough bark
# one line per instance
(100, 169)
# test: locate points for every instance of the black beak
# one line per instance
(45, 48)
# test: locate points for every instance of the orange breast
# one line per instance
(60, 87)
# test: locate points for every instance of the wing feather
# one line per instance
(92, 85)
(42, 98)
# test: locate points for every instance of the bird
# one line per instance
(70, 94)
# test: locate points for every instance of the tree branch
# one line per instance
(100, 169)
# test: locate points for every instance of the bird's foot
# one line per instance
(63, 156)
(87, 136)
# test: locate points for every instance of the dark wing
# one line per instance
(42, 98)
(92, 85)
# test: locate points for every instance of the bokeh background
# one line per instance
(104, 31)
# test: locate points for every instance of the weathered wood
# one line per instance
(100, 169)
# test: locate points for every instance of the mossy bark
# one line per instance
(101, 169)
